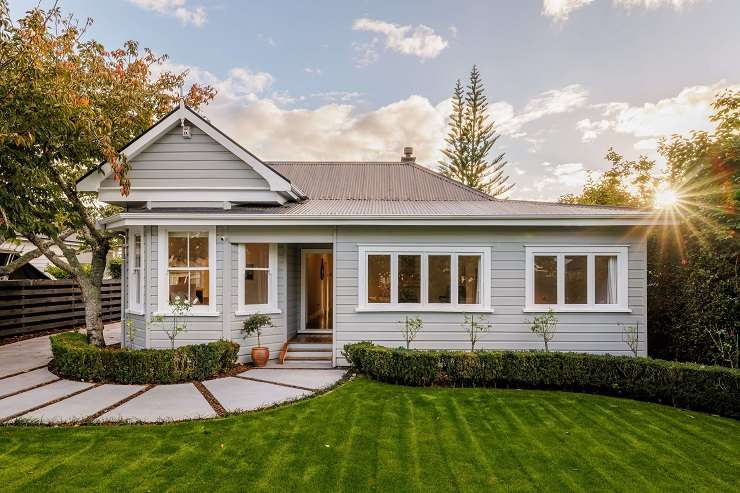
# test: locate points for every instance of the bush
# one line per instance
(76, 359)
(114, 267)
(708, 388)
(59, 273)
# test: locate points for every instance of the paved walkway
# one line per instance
(30, 392)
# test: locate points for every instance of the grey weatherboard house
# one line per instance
(341, 251)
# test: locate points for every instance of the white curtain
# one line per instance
(611, 293)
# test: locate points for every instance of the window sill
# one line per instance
(133, 311)
(423, 309)
(575, 309)
(189, 315)
(265, 311)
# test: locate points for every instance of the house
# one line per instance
(36, 268)
(342, 251)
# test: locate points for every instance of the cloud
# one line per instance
(592, 129)
(338, 96)
(175, 8)
(241, 84)
(552, 102)
(420, 41)
(313, 71)
(266, 39)
(561, 9)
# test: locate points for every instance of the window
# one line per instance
(257, 278)
(576, 278)
(186, 267)
(136, 270)
(424, 278)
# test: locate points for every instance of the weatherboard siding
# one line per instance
(173, 162)
(583, 332)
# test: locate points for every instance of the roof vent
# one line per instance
(408, 155)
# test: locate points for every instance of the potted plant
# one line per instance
(254, 325)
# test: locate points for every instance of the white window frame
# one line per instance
(591, 251)
(484, 278)
(162, 260)
(133, 307)
(272, 283)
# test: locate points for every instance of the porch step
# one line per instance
(294, 357)
(308, 354)
(308, 346)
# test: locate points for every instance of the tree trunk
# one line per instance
(92, 289)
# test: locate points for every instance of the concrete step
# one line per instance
(308, 355)
(308, 346)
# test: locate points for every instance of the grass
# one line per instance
(369, 436)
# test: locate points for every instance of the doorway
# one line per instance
(317, 290)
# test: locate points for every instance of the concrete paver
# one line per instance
(38, 396)
(311, 379)
(26, 380)
(236, 394)
(83, 405)
(163, 403)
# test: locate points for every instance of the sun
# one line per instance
(665, 198)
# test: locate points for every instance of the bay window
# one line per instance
(136, 271)
(257, 278)
(576, 278)
(424, 278)
(187, 268)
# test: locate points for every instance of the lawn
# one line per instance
(369, 436)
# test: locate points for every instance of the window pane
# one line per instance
(199, 287)
(439, 278)
(137, 250)
(199, 249)
(178, 285)
(378, 278)
(545, 279)
(177, 249)
(257, 255)
(468, 267)
(136, 282)
(606, 279)
(409, 278)
(256, 287)
(576, 284)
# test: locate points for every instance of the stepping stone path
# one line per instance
(29, 392)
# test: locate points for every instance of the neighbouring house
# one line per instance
(36, 268)
(342, 251)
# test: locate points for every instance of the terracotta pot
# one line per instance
(260, 355)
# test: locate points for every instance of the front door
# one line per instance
(317, 296)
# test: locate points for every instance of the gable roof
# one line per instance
(389, 181)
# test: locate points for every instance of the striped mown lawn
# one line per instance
(369, 436)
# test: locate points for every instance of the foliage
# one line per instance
(69, 104)
(180, 308)
(475, 326)
(254, 324)
(626, 184)
(58, 273)
(115, 264)
(410, 328)
(631, 337)
(130, 332)
(76, 359)
(545, 325)
(470, 139)
(713, 389)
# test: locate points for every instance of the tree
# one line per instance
(470, 139)
(626, 183)
(69, 104)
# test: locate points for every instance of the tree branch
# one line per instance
(53, 257)
(16, 264)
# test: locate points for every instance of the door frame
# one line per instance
(305, 251)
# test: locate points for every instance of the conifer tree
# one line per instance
(470, 140)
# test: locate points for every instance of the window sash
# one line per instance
(135, 270)
(272, 265)
(560, 253)
(164, 268)
(424, 253)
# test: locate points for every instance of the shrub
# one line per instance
(76, 359)
(115, 264)
(708, 388)
(59, 273)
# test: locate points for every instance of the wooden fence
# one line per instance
(34, 305)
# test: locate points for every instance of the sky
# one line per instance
(359, 80)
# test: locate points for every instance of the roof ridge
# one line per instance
(453, 182)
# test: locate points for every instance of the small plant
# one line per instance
(254, 325)
(631, 337)
(130, 332)
(727, 345)
(114, 267)
(180, 309)
(410, 327)
(544, 325)
(475, 326)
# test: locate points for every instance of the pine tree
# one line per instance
(470, 140)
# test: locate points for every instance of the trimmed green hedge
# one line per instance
(76, 359)
(708, 388)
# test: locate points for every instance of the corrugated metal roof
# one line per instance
(418, 208)
(389, 181)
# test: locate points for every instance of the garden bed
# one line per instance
(708, 388)
(75, 359)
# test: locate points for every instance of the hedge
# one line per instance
(713, 389)
(76, 359)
